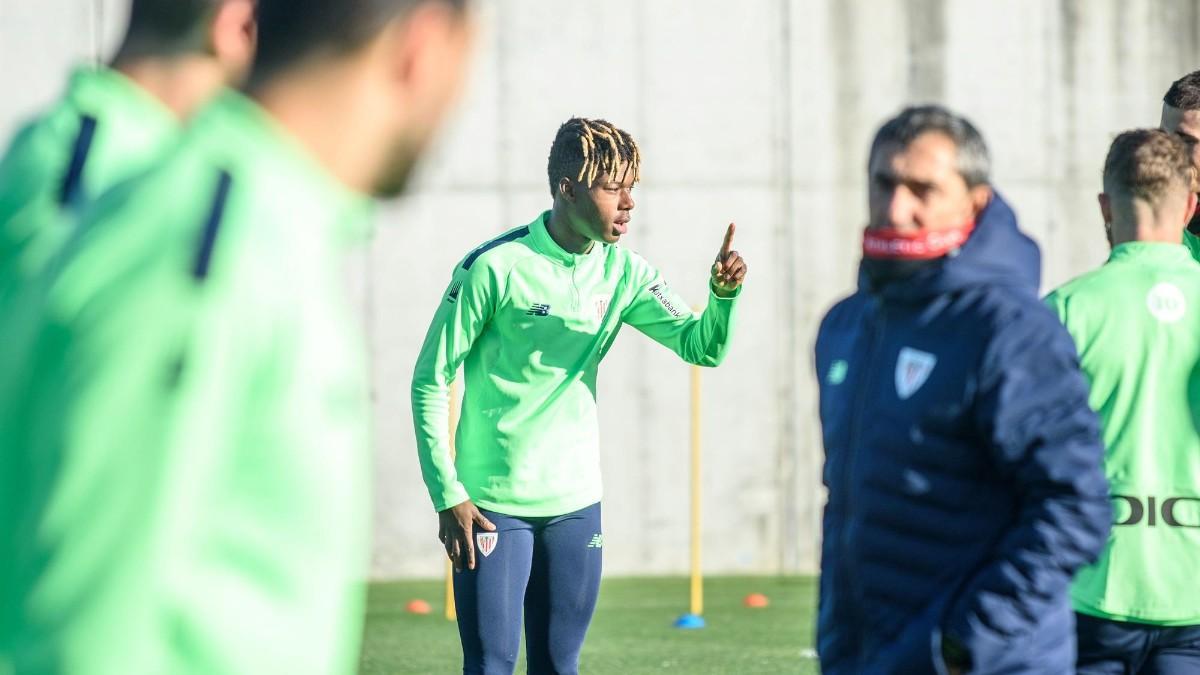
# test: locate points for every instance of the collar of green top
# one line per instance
(1151, 250)
(546, 245)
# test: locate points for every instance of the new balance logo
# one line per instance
(597, 541)
(452, 296)
(837, 372)
(539, 310)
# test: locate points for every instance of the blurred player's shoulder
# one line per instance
(158, 203)
(1086, 284)
(146, 225)
(222, 195)
(48, 132)
(100, 130)
(38, 151)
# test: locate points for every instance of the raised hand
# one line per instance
(729, 269)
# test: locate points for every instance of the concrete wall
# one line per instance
(757, 112)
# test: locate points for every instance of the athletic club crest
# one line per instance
(912, 370)
(600, 302)
(486, 542)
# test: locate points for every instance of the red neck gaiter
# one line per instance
(889, 244)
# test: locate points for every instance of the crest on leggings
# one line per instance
(486, 542)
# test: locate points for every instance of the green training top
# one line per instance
(1135, 322)
(532, 322)
(195, 440)
(105, 129)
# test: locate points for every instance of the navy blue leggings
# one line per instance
(1120, 648)
(550, 567)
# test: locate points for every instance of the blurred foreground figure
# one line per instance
(109, 126)
(192, 449)
(962, 460)
(1135, 322)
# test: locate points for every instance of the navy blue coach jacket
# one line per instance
(963, 464)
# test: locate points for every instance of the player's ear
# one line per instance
(233, 35)
(981, 195)
(420, 43)
(566, 189)
(1106, 214)
(1105, 209)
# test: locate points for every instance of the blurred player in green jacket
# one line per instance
(192, 450)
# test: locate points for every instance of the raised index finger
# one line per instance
(727, 245)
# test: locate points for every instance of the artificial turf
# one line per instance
(632, 631)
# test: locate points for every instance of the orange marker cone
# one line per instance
(756, 601)
(417, 607)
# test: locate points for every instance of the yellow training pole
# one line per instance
(693, 619)
(697, 574)
(451, 612)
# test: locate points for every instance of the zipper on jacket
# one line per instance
(874, 342)
(575, 286)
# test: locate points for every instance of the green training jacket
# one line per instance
(531, 322)
(194, 447)
(1136, 324)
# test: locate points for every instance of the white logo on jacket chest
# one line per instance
(913, 368)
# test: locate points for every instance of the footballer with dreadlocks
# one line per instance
(531, 314)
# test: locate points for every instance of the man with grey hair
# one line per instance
(962, 460)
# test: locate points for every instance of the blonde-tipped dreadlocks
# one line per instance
(585, 149)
